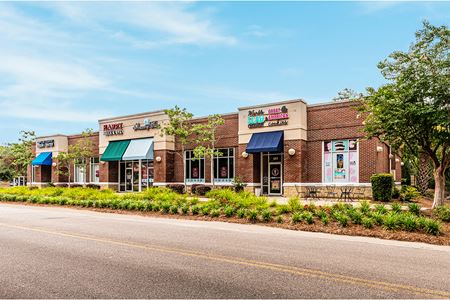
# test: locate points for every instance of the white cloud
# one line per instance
(158, 23)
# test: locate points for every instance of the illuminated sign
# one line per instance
(113, 129)
(46, 144)
(273, 117)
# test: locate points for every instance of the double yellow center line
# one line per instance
(312, 273)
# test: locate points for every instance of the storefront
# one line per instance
(275, 149)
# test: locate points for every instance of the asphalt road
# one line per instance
(51, 252)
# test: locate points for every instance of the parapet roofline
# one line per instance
(50, 136)
(272, 104)
(155, 112)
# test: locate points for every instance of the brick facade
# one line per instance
(332, 121)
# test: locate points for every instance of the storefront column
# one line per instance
(248, 169)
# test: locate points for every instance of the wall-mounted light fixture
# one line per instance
(391, 155)
(54, 164)
(291, 151)
(244, 154)
(397, 160)
(402, 164)
(158, 158)
(379, 149)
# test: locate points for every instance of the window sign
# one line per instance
(340, 161)
(224, 165)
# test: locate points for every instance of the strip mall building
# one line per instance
(277, 148)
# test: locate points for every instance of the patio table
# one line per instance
(346, 192)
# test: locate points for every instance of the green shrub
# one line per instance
(397, 208)
(294, 204)
(273, 203)
(280, 219)
(174, 209)
(296, 217)
(241, 213)
(320, 213)
(365, 207)
(312, 207)
(367, 222)
(205, 209)
(355, 216)
(414, 208)
(442, 213)
(381, 209)
(342, 219)
(409, 222)
(308, 217)
(184, 209)
(432, 226)
(195, 209)
(382, 186)
(215, 212)
(266, 215)
(410, 193)
(324, 219)
(229, 211)
(252, 215)
(395, 193)
(391, 221)
(165, 207)
(283, 209)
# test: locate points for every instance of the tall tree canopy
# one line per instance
(412, 111)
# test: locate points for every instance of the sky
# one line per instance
(64, 65)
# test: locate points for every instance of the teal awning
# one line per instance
(115, 150)
(139, 149)
(43, 159)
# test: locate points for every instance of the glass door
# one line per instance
(275, 179)
(129, 179)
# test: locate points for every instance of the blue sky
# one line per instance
(64, 65)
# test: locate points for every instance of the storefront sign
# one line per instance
(45, 144)
(113, 129)
(147, 125)
(273, 117)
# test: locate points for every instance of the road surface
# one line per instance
(56, 252)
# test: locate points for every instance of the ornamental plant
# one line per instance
(382, 185)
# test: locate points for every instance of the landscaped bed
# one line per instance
(226, 205)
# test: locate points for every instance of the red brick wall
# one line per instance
(341, 121)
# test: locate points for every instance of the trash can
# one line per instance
(258, 192)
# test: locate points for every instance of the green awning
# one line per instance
(115, 150)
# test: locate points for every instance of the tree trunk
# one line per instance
(439, 189)
(423, 176)
(212, 172)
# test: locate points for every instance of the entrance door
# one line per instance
(129, 179)
(275, 179)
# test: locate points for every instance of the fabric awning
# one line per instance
(115, 150)
(139, 149)
(43, 159)
(265, 142)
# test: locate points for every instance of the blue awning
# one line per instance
(43, 159)
(265, 142)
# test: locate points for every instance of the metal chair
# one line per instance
(346, 193)
(312, 192)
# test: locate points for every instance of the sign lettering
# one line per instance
(273, 117)
(113, 129)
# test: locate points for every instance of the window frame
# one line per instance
(226, 155)
(188, 166)
(94, 161)
(347, 154)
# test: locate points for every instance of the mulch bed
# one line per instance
(332, 227)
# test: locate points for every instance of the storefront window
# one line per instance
(95, 170)
(195, 168)
(340, 161)
(224, 165)
(80, 171)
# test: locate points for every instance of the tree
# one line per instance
(79, 152)
(179, 126)
(347, 94)
(412, 111)
(6, 159)
(22, 153)
(206, 139)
